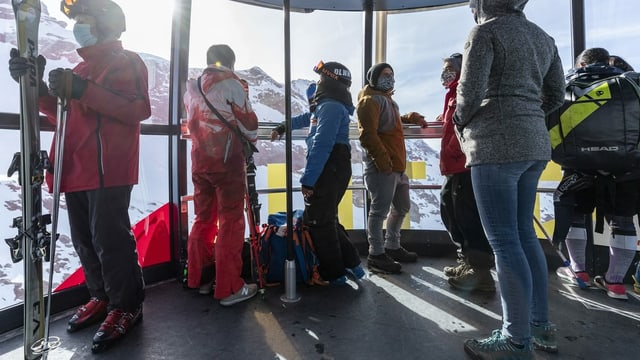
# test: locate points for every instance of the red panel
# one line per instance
(152, 236)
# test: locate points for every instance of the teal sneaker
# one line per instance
(543, 337)
(339, 281)
(497, 347)
(357, 271)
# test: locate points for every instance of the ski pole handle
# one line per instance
(67, 80)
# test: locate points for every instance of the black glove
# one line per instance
(18, 66)
(57, 84)
(458, 123)
(280, 129)
(307, 194)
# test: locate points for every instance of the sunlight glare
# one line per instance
(444, 320)
(452, 296)
(594, 305)
(275, 336)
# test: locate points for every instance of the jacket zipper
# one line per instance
(99, 151)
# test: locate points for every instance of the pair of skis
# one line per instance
(253, 217)
(33, 244)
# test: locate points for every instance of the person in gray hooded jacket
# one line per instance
(511, 77)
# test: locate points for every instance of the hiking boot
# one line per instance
(117, 324)
(357, 271)
(543, 337)
(455, 270)
(566, 274)
(636, 284)
(401, 255)
(473, 280)
(614, 290)
(246, 292)
(88, 314)
(383, 263)
(497, 347)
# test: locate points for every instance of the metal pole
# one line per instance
(290, 264)
(177, 148)
(578, 39)
(368, 40)
(381, 36)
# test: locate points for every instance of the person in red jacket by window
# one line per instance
(458, 207)
(109, 99)
(218, 172)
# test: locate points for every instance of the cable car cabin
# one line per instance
(413, 314)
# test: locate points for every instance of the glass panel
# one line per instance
(417, 63)
(558, 25)
(417, 59)
(11, 274)
(57, 44)
(146, 197)
(259, 50)
(613, 28)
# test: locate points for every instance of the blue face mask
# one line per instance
(386, 83)
(83, 35)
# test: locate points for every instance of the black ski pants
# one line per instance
(334, 249)
(460, 217)
(101, 234)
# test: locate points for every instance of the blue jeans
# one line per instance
(506, 195)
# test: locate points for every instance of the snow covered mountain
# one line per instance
(58, 46)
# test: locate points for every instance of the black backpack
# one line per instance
(598, 127)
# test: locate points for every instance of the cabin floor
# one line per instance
(414, 315)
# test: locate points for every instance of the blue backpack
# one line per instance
(272, 251)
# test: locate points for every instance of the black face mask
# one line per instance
(329, 88)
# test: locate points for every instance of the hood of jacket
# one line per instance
(489, 9)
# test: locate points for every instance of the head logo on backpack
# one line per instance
(598, 127)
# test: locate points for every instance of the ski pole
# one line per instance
(61, 126)
(558, 249)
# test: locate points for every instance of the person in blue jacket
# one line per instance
(328, 172)
(300, 121)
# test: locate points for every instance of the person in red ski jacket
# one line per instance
(109, 99)
(458, 207)
(218, 172)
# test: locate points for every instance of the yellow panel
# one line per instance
(276, 202)
(345, 210)
(552, 172)
(416, 170)
(406, 222)
(548, 226)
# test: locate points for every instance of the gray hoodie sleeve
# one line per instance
(553, 86)
(474, 77)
